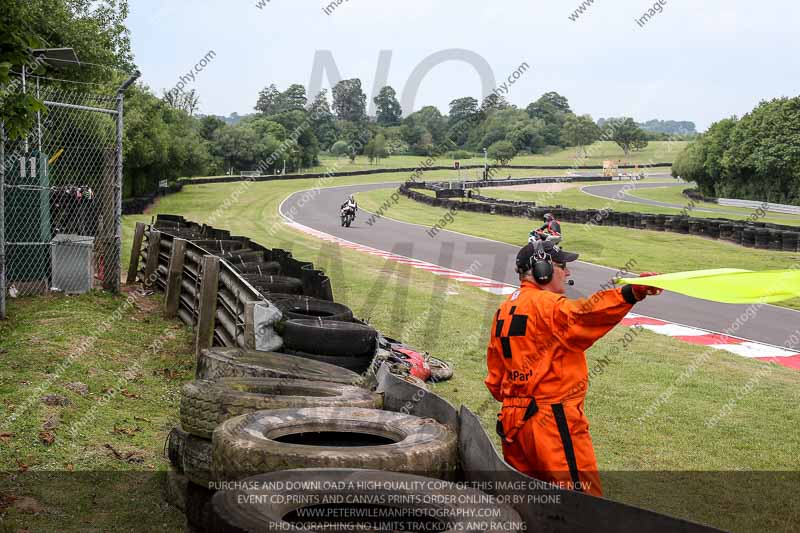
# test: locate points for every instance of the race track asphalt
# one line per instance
(495, 261)
(618, 191)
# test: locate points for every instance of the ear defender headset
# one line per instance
(541, 264)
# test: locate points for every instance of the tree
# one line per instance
(559, 102)
(340, 148)
(548, 106)
(580, 131)
(293, 98)
(96, 30)
(186, 101)
(376, 148)
(208, 125)
(17, 109)
(494, 102)
(426, 129)
(269, 100)
(627, 134)
(462, 110)
(356, 135)
(322, 120)
(463, 117)
(502, 152)
(349, 101)
(762, 161)
(388, 108)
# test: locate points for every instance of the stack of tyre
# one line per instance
(268, 439)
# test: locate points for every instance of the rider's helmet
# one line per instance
(351, 198)
(548, 217)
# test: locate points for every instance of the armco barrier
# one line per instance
(778, 237)
(748, 204)
(777, 208)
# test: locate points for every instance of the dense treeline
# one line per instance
(165, 139)
(756, 157)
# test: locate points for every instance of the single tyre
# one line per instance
(332, 437)
(294, 306)
(357, 364)
(256, 267)
(218, 363)
(329, 337)
(176, 441)
(440, 370)
(409, 502)
(174, 489)
(197, 461)
(206, 404)
(270, 283)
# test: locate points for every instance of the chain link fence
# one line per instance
(61, 193)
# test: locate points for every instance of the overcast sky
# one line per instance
(698, 61)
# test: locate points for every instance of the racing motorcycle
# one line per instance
(543, 235)
(348, 215)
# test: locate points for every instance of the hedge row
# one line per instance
(749, 234)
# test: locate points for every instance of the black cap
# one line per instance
(525, 257)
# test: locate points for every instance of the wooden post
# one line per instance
(151, 267)
(136, 252)
(174, 278)
(249, 325)
(208, 303)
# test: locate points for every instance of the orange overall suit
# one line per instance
(537, 368)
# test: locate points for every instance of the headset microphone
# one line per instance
(571, 282)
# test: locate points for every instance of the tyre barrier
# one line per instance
(332, 437)
(790, 241)
(330, 337)
(197, 462)
(176, 440)
(749, 237)
(217, 363)
(762, 238)
(259, 268)
(267, 284)
(776, 240)
(723, 229)
(206, 404)
(413, 503)
(298, 307)
(357, 364)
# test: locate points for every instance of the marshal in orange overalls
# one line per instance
(537, 368)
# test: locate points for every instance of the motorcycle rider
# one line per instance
(350, 204)
(551, 228)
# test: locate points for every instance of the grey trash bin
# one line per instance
(71, 263)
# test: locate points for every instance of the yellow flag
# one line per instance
(727, 285)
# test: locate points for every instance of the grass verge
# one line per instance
(86, 411)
